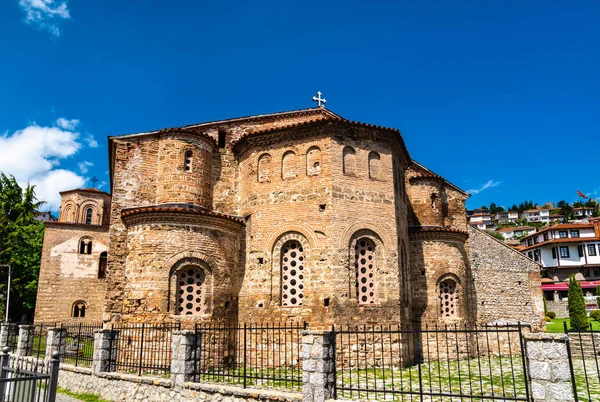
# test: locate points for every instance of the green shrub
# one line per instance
(595, 314)
(551, 314)
(577, 313)
(547, 319)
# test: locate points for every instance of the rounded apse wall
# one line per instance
(185, 170)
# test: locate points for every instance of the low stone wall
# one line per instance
(126, 387)
(561, 308)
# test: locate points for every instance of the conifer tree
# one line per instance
(577, 313)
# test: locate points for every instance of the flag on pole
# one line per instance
(579, 193)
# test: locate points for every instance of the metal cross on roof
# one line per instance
(319, 100)
(94, 180)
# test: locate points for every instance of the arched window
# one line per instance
(78, 309)
(102, 265)
(374, 165)
(313, 161)
(187, 163)
(288, 165)
(85, 245)
(68, 213)
(448, 307)
(349, 162)
(364, 264)
(191, 292)
(264, 168)
(88, 216)
(292, 274)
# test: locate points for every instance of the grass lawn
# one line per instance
(556, 325)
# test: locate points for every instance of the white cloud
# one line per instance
(67, 124)
(34, 155)
(92, 143)
(489, 184)
(84, 166)
(45, 13)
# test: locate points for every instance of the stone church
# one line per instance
(295, 216)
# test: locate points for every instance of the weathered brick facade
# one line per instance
(297, 216)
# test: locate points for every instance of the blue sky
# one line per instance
(501, 98)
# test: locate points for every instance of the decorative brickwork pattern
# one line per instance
(292, 274)
(364, 264)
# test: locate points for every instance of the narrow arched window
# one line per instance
(264, 168)
(85, 246)
(364, 264)
(292, 274)
(102, 265)
(88, 216)
(374, 165)
(288, 165)
(349, 161)
(78, 310)
(447, 288)
(313, 161)
(190, 291)
(188, 161)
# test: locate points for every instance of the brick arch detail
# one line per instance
(351, 229)
(191, 255)
(306, 231)
(203, 262)
(95, 210)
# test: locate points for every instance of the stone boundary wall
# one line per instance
(127, 387)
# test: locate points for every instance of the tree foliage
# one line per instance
(21, 237)
(576, 303)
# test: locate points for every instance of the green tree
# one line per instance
(598, 296)
(21, 237)
(497, 235)
(576, 303)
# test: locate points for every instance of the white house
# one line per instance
(506, 217)
(536, 215)
(566, 249)
(516, 232)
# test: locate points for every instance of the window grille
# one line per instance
(448, 298)
(364, 263)
(188, 161)
(292, 274)
(190, 291)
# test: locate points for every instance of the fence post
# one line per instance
(25, 341)
(548, 366)
(6, 330)
(318, 348)
(182, 360)
(54, 370)
(4, 361)
(103, 352)
(56, 342)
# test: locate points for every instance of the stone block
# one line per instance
(561, 371)
(540, 371)
(561, 391)
(538, 390)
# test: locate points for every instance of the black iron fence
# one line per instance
(40, 337)
(78, 342)
(142, 348)
(27, 379)
(584, 361)
(265, 355)
(388, 362)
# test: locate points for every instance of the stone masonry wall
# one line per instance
(67, 276)
(507, 283)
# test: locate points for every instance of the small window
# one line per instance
(536, 240)
(529, 242)
(585, 272)
(364, 252)
(591, 250)
(447, 290)
(102, 265)
(530, 255)
(188, 161)
(78, 309)
(545, 236)
(563, 234)
(190, 291)
(564, 251)
(574, 233)
(292, 274)
(88, 216)
(580, 251)
(554, 253)
(597, 274)
(85, 246)
(222, 139)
